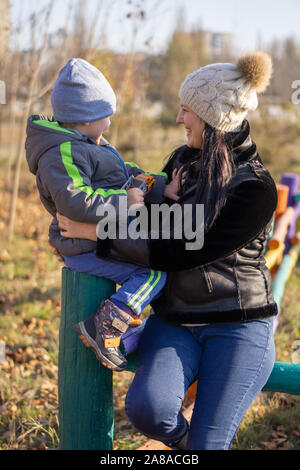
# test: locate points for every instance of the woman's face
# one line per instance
(193, 124)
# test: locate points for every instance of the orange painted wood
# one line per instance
(295, 239)
(282, 194)
(281, 228)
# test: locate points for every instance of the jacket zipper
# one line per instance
(207, 280)
(119, 157)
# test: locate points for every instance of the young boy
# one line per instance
(76, 172)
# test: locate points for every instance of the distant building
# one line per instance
(217, 44)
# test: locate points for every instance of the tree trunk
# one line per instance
(32, 83)
(15, 191)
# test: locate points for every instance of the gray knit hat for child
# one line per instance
(82, 93)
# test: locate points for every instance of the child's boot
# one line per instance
(102, 333)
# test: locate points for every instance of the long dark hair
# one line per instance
(216, 168)
(209, 169)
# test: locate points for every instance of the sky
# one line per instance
(252, 24)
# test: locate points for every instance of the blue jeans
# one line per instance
(139, 286)
(232, 362)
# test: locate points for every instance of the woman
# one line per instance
(213, 321)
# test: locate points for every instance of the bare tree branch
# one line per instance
(28, 103)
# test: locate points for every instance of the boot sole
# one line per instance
(90, 343)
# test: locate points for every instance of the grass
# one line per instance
(273, 420)
(29, 324)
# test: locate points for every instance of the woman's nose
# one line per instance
(179, 119)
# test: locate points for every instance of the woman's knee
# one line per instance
(153, 416)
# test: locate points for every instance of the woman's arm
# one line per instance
(72, 229)
(248, 210)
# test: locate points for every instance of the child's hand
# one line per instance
(171, 189)
(135, 198)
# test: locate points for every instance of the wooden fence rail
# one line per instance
(86, 415)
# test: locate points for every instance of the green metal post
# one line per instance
(84, 386)
(285, 377)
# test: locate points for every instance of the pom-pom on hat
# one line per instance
(222, 94)
(82, 94)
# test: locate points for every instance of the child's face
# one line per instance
(95, 129)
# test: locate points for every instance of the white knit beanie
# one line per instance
(222, 94)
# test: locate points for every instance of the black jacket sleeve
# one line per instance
(248, 210)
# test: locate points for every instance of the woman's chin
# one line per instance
(191, 145)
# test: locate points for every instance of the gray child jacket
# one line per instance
(74, 176)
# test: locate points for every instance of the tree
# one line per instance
(5, 32)
(37, 59)
(39, 72)
(184, 54)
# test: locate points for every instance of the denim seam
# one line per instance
(250, 387)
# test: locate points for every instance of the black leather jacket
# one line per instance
(227, 279)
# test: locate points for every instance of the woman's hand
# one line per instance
(56, 252)
(171, 189)
(135, 198)
(72, 229)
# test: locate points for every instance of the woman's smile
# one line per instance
(193, 125)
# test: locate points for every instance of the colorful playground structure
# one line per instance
(86, 414)
(283, 246)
